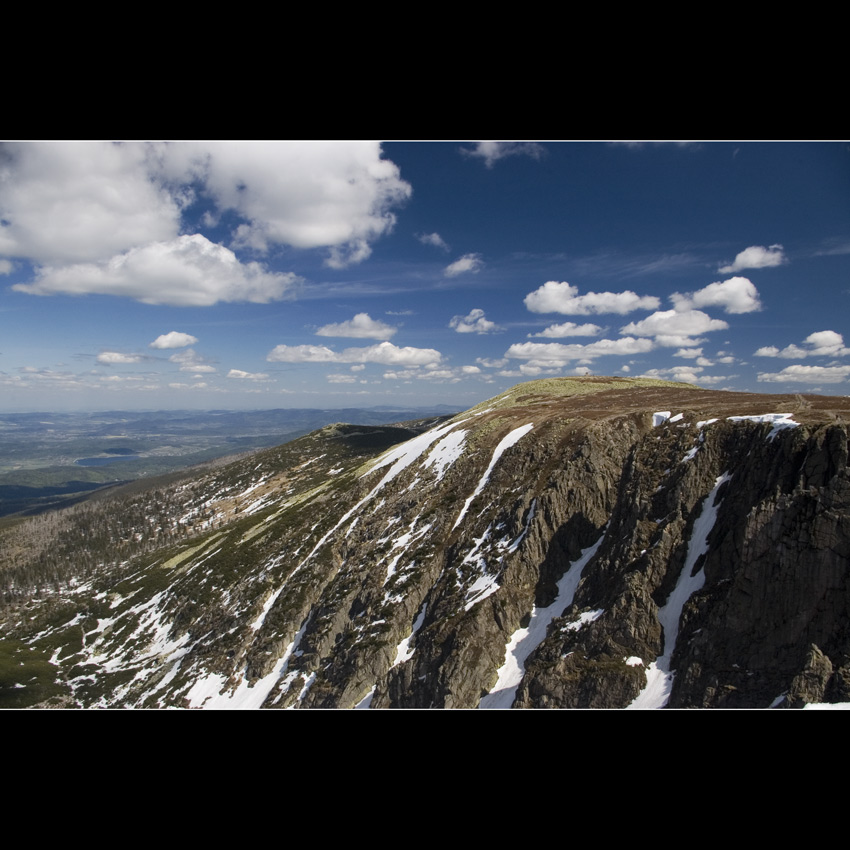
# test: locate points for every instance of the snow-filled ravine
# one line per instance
(659, 676)
(524, 641)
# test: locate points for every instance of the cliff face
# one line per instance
(572, 543)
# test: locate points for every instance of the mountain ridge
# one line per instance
(575, 542)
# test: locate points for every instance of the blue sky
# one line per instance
(153, 275)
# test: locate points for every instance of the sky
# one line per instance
(256, 275)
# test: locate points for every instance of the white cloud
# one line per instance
(187, 271)
(687, 374)
(76, 207)
(303, 354)
(492, 152)
(554, 297)
(675, 328)
(384, 353)
(362, 326)
(821, 344)
(453, 376)
(247, 376)
(475, 323)
(736, 295)
(468, 263)
(569, 329)
(433, 239)
(190, 361)
(199, 386)
(807, 374)
(337, 195)
(173, 339)
(73, 202)
(6, 266)
(111, 358)
(552, 354)
(755, 257)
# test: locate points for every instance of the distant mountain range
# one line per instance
(571, 543)
(52, 459)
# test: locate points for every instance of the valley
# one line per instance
(52, 459)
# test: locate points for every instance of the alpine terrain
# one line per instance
(572, 543)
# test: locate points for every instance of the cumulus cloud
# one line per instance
(111, 358)
(554, 297)
(173, 339)
(755, 257)
(687, 374)
(433, 239)
(85, 210)
(362, 326)
(474, 323)
(467, 264)
(820, 344)
(736, 295)
(569, 329)
(807, 374)
(490, 363)
(187, 271)
(384, 353)
(552, 354)
(247, 376)
(337, 195)
(190, 361)
(675, 328)
(72, 202)
(442, 375)
(492, 152)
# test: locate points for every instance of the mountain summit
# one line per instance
(571, 543)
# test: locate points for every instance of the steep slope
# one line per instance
(582, 542)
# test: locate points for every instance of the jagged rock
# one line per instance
(810, 684)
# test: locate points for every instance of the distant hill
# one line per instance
(48, 460)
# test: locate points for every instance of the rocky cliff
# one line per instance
(572, 543)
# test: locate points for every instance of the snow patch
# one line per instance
(403, 650)
(407, 453)
(583, 620)
(485, 585)
(366, 702)
(511, 439)
(446, 452)
(780, 421)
